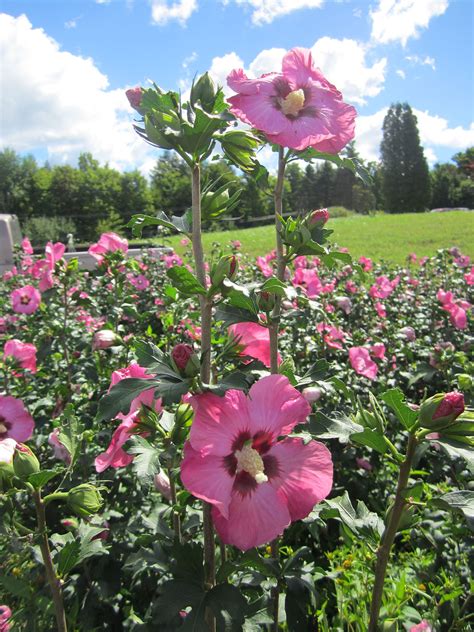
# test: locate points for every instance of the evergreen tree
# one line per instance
(406, 180)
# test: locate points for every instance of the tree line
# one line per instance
(91, 198)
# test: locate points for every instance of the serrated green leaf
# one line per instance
(394, 398)
(185, 281)
(39, 479)
(120, 396)
(342, 428)
(371, 439)
(230, 315)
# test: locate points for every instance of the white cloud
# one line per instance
(187, 61)
(265, 11)
(422, 61)
(61, 102)
(71, 24)
(400, 73)
(398, 20)
(163, 12)
(343, 62)
(434, 132)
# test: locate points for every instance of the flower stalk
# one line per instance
(205, 373)
(383, 552)
(53, 580)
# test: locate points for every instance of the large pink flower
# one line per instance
(296, 108)
(25, 300)
(134, 370)
(23, 352)
(361, 362)
(15, 421)
(233, 460)
(254, 340)
(108, 242)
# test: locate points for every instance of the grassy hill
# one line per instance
(388, 237)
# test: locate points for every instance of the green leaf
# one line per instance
(238, 380)
(146, 462)
(394, 398)
(148, 354)
(457, 450)
(340, 428)
(39, 479)
(120, 396)
(240, 297)
(140, 221)
(371, 439)
(185, 281)
(68, 557)
(460, 500)
(230, 315)
(274, 286)
(359, 521)
(228, 605)
(315, 373)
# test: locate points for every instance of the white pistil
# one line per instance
(292, 103)
(250, 461)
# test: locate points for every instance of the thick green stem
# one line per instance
(53, 579)
(206, 316)
(383, 552)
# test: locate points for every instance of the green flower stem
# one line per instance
(383, 552)
(55, 496)
(205, 374)
(53, 579)
(176, 516)
(273, 328)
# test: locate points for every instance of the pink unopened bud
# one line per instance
(441, 410)
(162, 484)
(134, 96)
(311, 394)
(104, 339)
(320, 216)
(181, 354)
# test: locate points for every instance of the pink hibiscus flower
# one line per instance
(25, 300)
(139, 281)
(380, 309)
(5, 614)
(366, 263)
(134, 370)
(378, 350)
(7, 450)
(296, 108)
(60, 452)
(15, 421)
(331, 335)
(26, 246)
(383, 287)
(115, 456)
(24, 354)
(361, 362)
(469, 276)
(254, 340)
(108, 242)
(233, 460)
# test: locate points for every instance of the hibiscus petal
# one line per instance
(115, 456)
(218, 421)
(207, 478)
(15, 414)
(276, 407)
(259, 111)
(254, 518)
(305, 474)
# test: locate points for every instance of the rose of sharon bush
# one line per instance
(233, 460)
(297, 108)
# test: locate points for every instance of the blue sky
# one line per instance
(65, 65)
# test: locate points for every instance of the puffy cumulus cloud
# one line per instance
(398, 20)
(343, 62)
(61, 102)
(221, 67)
(400, 73)
(163, 12)
(265, 11)
(434, 132)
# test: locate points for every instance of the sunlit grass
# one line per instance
(388, 237)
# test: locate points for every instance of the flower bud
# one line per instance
(85, 500)
(266, 301)
(104, 339)
(24, 462)
(225, 268)
(186, 359)
(204, 91)
(311, 394)
(318, 218)
(162, 484)
(134, 96)
(408, 333)
(441, 410)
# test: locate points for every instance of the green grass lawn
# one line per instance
(388, 237)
